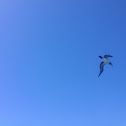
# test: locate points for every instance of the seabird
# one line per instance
(105, 61)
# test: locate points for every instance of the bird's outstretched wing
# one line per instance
(106, 56)
(101, 68)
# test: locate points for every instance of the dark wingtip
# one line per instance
(100, 57)
(99, 75)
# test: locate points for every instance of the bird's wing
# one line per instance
(100, 57)
(101, 68)
(106, 56)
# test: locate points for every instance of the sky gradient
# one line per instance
(49, 63)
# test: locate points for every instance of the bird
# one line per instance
(104, 62)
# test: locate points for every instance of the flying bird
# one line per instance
(104, 62)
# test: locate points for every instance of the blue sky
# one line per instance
(49, 63)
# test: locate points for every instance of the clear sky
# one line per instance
(49, 63)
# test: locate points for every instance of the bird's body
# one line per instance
(105, 61)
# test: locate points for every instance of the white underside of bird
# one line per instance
(105, 60)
